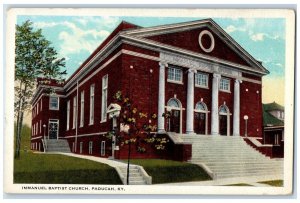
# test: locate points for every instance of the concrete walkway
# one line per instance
(218, 182)
(253, 180)
(110, 162)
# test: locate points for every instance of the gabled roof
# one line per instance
(135, 34)
(269, 119)
(141, 34)
(273, 106)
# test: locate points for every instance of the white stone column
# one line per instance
(190, 102)
(161, 98)
(236, 108)
(215, 105)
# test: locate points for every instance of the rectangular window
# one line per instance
(73, 147)
(74, 111)
(81, 108)
(68, 115)
(80, 147)
(40, 126)
(103, 148)
(201, 80)
(37, 106)
(92, 97)
(225, 85)
(37, 128)
(104, 97)
(90, 147)
(53, 103)
(41, 104)
(175, 74)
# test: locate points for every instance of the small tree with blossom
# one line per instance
(137, 127)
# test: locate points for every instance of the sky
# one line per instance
(76, 37)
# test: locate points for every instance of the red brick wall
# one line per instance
(45, 114)
(189, 40)
(252, 107)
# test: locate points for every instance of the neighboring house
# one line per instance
(273, 115)
(209, 84)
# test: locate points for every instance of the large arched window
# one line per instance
(201, 106)
(224, 110)
(175, 103)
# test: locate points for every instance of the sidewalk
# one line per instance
(112, 163)
(253, 180)
(218, 182)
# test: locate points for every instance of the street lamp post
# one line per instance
(246, 130)
(45, 145)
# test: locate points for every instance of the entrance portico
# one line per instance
(197, 120)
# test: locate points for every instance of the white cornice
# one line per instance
(40, 89)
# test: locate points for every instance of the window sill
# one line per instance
(203, 87)
(226, 91)
(91, 124)
(174, 81)
(54, 109)
(103, 121)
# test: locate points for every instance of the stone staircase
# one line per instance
(137, 175)
(60, 145)
(231, 156)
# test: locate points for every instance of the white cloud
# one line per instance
(279, 64)
(45, 24)
(262, 36)
(76, 39)
(232, 28)
(103, 21)
(258, 36)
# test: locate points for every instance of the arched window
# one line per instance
(173, 103)
(201, 106)
(223, 109)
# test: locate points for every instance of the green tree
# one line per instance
(34, 58)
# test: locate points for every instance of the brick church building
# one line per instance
(207, 82)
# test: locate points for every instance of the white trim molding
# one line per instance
(212, 39)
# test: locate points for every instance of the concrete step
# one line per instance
(230, 156)
(59, 145)
(137, 182)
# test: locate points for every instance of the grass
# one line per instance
(275, 183)
(167, 171)
(60, 169)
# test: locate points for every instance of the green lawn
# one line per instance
(60, 169)
(167, 171)
(276, 183)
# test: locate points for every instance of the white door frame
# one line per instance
(53, 121)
